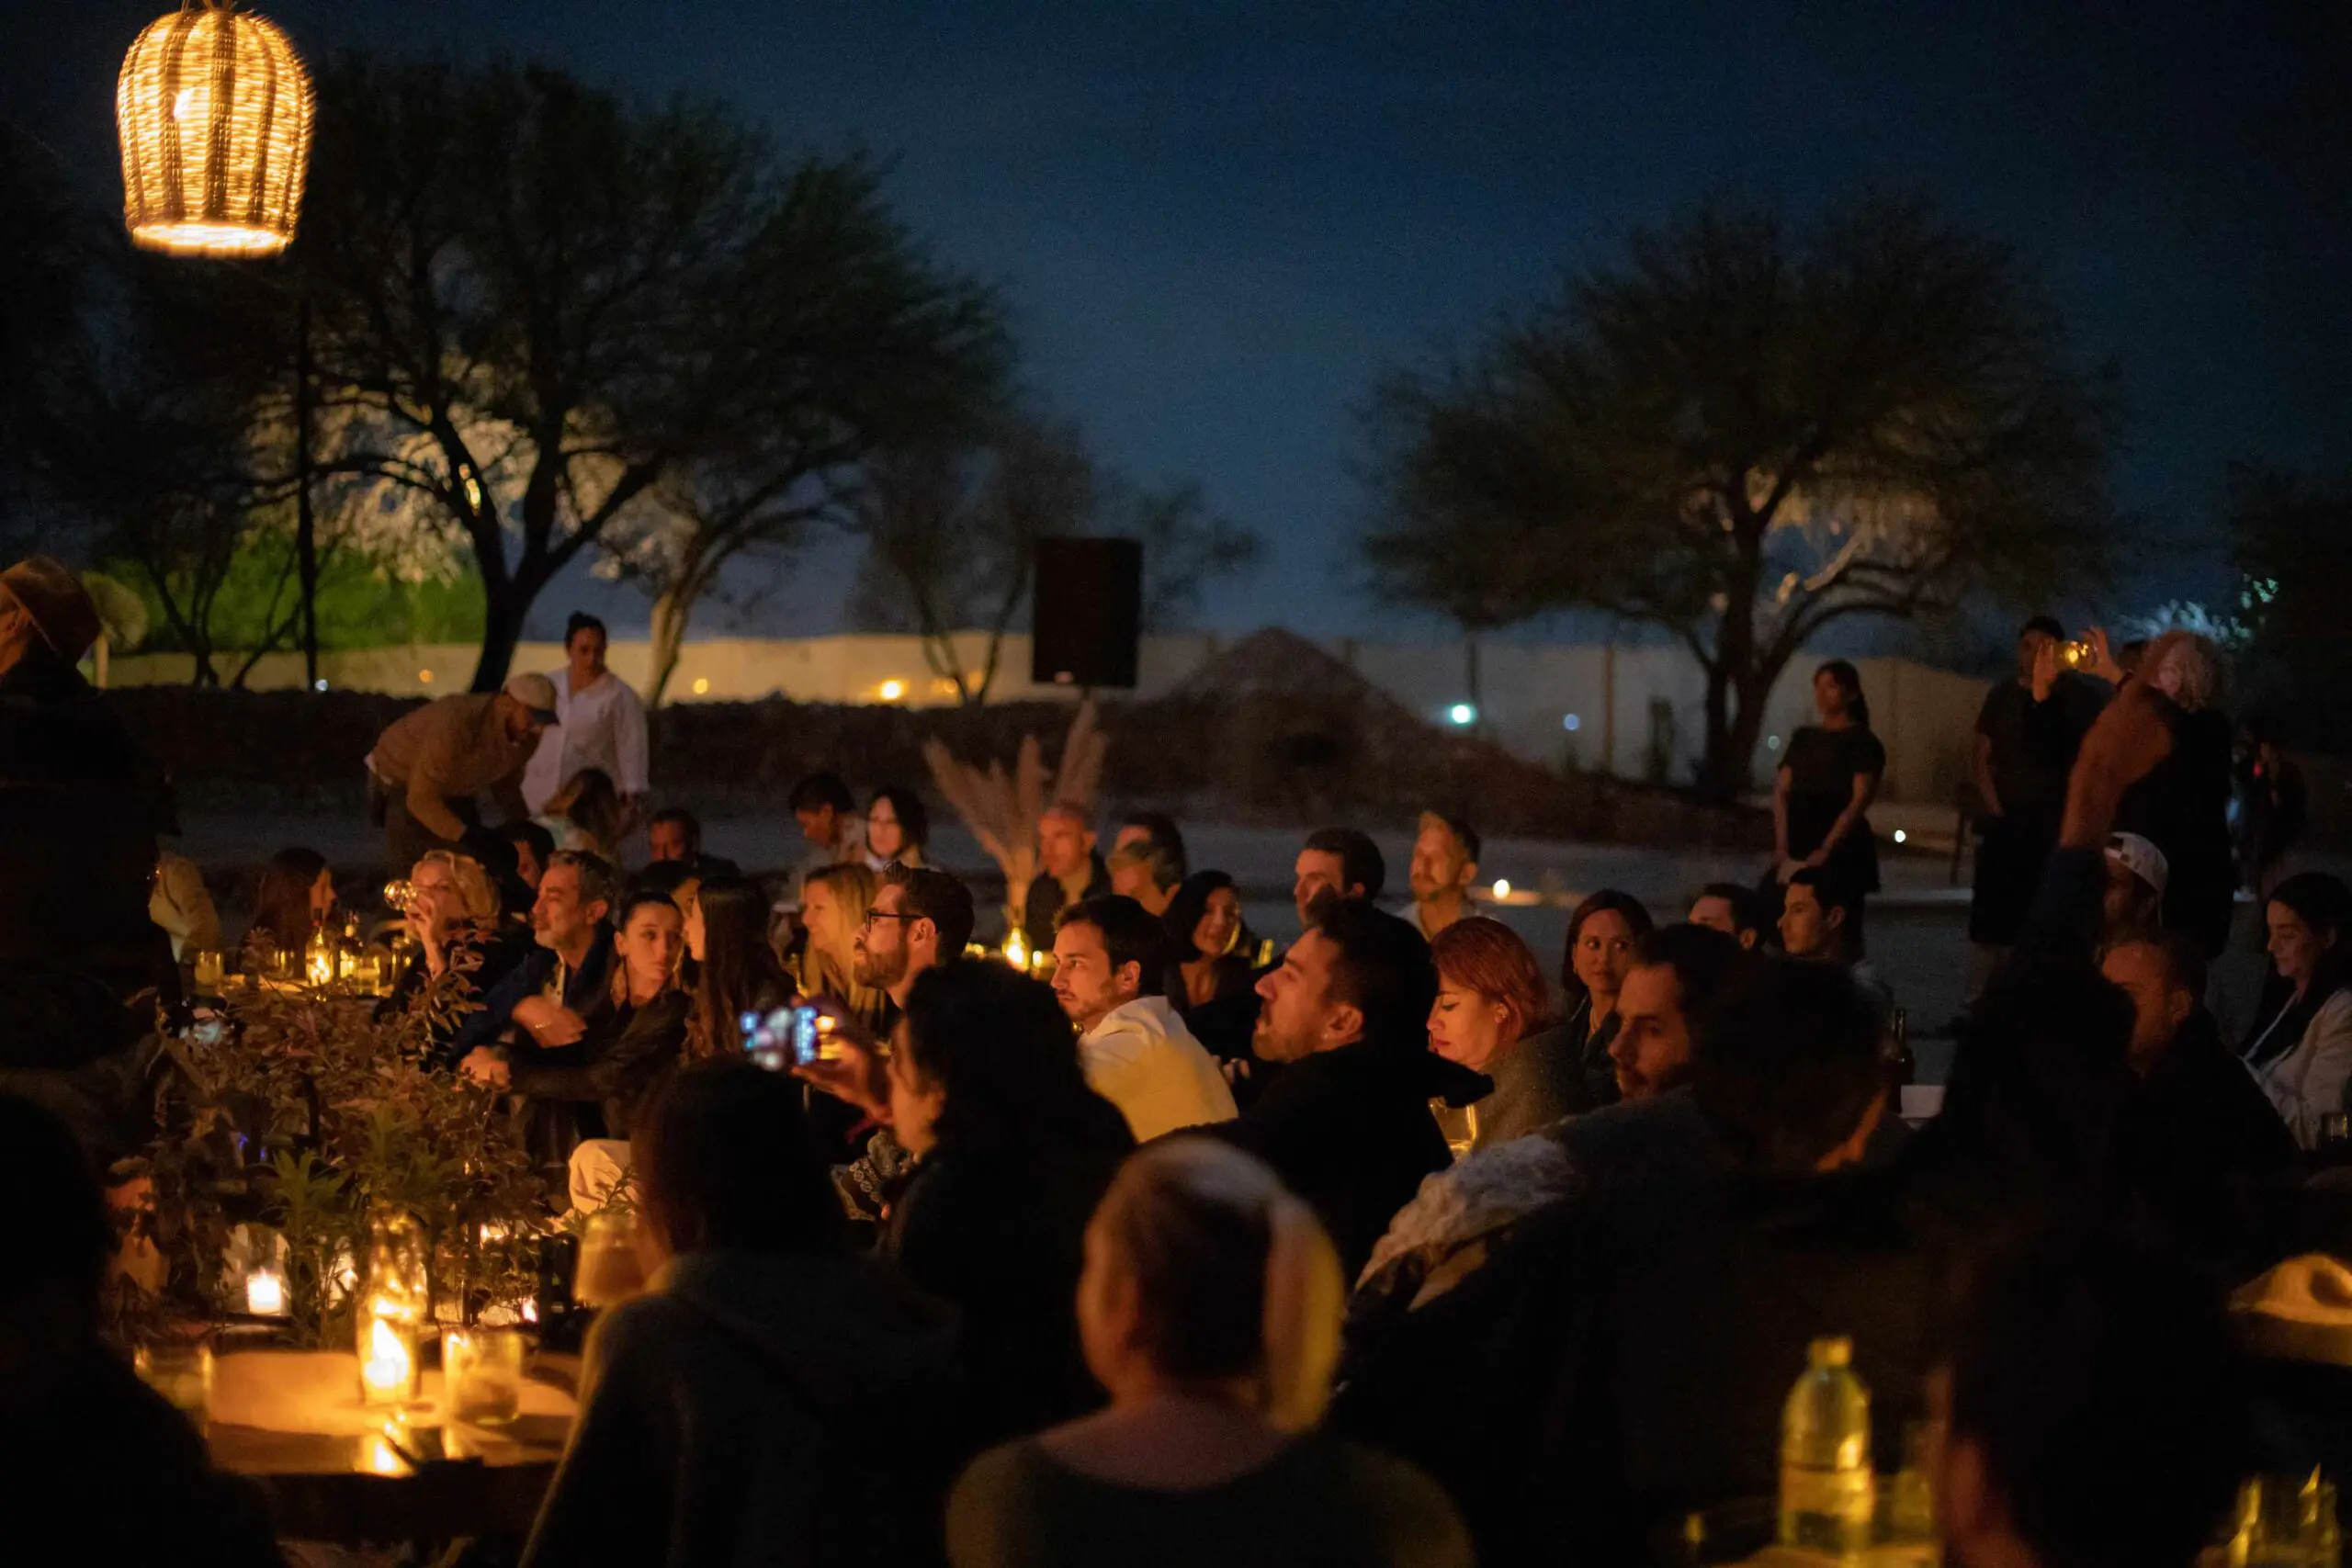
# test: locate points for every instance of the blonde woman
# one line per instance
(833, 904)
(453, 914)
(1209, 1310)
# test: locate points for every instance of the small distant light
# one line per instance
(1771, 743)
(1502, 888)
(1571, 723)
(893, 690)
(1461, 712)
(1899, 835)
(424, 677)
(702, 684)
(320, 685)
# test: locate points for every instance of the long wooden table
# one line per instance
(337, 1471)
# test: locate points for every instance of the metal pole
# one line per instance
(305, 535)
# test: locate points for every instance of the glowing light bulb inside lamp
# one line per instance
(1502, 888)
(265, 1294)
(1461, 712)
(1900, 835)
(893, 690)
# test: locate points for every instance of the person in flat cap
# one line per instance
(431, 765)
(80, 807)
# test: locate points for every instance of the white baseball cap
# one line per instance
(535, 693)
(2141, 858)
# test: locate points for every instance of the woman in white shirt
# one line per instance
(2301, 1051)
(600, 724)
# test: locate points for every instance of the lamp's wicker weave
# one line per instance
(214, 111)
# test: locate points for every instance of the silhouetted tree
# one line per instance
(1744, 432)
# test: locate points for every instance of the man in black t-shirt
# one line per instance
(2027, 734)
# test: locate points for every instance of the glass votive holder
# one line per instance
(182, 1373)
(609, 1272)
(207, 969)
(481, 1375)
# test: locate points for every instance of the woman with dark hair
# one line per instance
(1602, 933)
(296, 893)
(1821, 795)
(1210, 1311)
(1208, 946)
(1007, 1152)
(736, 971)
(587, 814)
(2302, 1051)
(898, 829)
(1492, 1016)
(770, 1390)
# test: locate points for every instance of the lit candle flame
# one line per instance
(390, 1363)
(1016, 950)
(265, 1294)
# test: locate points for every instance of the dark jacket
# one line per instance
(492, 949)
(79, 811)
(1000, 1233)
(582, 990)
(2199, 1134)
(628, 1053)
(95, 1463)
(1625, 1351)
(1594, 1083)
(1351, 1132)
(756, 1409)
(1044, 900)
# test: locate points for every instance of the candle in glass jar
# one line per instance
(265, 1294)
(388, 1368)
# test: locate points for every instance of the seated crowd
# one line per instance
(1166, 1258)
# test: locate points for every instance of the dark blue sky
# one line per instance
(1219, 222)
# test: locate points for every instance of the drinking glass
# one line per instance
(1459, 1123)
(182, 1373)
(481, 1374)
(609, 1271)
(207, 967)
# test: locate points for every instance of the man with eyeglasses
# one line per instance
(920, 918)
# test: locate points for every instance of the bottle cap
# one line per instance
(1837, 1351)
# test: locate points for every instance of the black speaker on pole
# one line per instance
(1087, 613)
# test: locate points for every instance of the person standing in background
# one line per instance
(2027, 734)
(600, 724)
(1821, 798)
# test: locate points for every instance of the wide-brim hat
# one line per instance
(57, 603)
(2299, 1310)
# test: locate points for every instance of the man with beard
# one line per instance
(920, 918)
(1677, 970)
(1445, 863)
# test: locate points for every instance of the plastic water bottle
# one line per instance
(1825, 1496)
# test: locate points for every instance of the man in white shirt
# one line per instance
(1110, 965)
(600, 724)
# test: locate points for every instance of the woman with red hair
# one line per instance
(1493, 1016)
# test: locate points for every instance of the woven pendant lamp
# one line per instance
(214, 111)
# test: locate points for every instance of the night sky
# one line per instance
(1218, 223)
